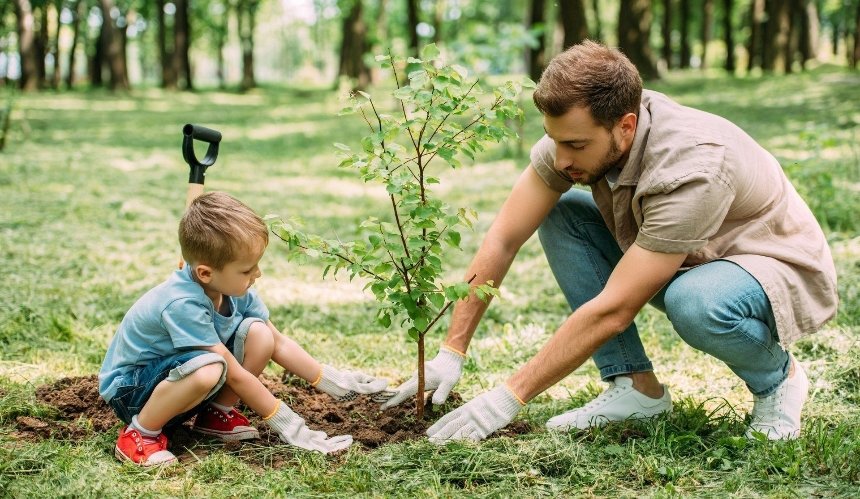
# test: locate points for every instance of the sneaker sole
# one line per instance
(229, 436)
(122, 457)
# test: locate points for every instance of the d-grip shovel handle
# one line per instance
(191, 132)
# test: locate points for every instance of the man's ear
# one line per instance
(203, 273)
(627, 126)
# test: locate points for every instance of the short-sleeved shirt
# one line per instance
(176, 315)
(695, 183)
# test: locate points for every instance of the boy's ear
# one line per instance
(203, 273)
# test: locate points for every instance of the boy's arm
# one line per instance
(247, 386)
(292, 357)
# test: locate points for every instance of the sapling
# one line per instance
(440, 113)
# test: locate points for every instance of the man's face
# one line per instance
(585, 150)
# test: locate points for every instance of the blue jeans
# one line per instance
(139, 383)
(718, 307)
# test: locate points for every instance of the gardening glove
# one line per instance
(291, 428)
(440, 374)
(346, 385)
(480, 417)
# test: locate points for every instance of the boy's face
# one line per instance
(234, 278)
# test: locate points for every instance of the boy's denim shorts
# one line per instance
(139, 383)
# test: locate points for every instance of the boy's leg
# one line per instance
(582, 253)
(720, 309)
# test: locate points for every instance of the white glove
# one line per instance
(480, 417)
(291, 428)
(440, 374)
(346, 385)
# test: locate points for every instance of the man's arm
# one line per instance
(528, 204)
(638, 276)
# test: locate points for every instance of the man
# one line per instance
(686, 212)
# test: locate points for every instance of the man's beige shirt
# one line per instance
(695, 183)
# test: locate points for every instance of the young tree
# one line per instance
(439, 115)
(634, 34)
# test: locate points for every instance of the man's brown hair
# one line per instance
(217, 227)
(590, 75)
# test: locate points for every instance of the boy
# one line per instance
(196, 343)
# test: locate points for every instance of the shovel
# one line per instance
(197, 175)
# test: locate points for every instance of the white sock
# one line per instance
(135, 425)
(222, 408)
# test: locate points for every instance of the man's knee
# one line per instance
(573, 206)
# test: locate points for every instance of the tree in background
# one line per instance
(686, 53)
(571, 14)
(113, 45)
(666, 34)
(412, 25)
(634, 33)
(26, 50)
(182, 45)
(246, 11)
(354, 45)
(78, 10)
(729, 36)
(707, 29)
(536, 54)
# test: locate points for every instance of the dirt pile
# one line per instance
(81, 413)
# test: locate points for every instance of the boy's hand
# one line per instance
(346, 385)
(291, 428)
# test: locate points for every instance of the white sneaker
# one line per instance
(618, 402)
(777, 415)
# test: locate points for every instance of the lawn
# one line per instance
(92, 186)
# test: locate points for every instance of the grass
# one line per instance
(91, 187)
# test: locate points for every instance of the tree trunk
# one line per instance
(439, 20)
(247, 13)
(634, 33)
(55, 47)
(412, 25)
(728, 36)
(809, 32)
(26, 51)
(754, 44)
(97, 60)
(707, 29)
(114, 49)
(666, 33)
(353, 47)
(598, 24)
(165, 54)
(778, 32)
(856, 50)
(685, 34)
(41, 45)
(571, 13)
(419, 395)
(182, 45)
(78, 9)
(535, 55)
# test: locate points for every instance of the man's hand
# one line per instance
(440, 374)
(346, 385)
(291, 428)
(480, 417)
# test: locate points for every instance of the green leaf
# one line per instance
(385, 320)
(381, 58)
(363, 94)
(342, 147)
(453, 238)
(430, 52)
(437, 299)
(413, 60)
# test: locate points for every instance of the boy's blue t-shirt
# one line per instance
(176, 315)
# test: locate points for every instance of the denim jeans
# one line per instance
(717, 307)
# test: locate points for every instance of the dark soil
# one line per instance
(82, 413)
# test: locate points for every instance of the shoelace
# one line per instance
(607, 395)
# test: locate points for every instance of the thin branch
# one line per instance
(452, 111)
(402, 271)
(442, 312)
(365, 119)
(399, 227)
(338, 255)
(402, 105)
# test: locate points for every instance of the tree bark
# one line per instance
(572, 17)
(412, 25)
(666, 33)
(165, 53)
(754, 44)
(707, 29)
(535, 55)
(778, 32)
(353, 47)
(685, 35)
(55, 47)
(247, 12)
(598, 24)
(634, 33)
(856, 50)
(728, 36)
(114, 49)
(809, 32)
(26, 51)
(182, 45)
(41, 45)
(78, 9)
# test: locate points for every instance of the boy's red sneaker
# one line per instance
(224, 425)
(142, 450)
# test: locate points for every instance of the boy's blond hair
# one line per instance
(216, 227)
(590, 75)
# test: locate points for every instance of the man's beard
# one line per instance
(607, 163)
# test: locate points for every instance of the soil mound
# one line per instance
(80, 413)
